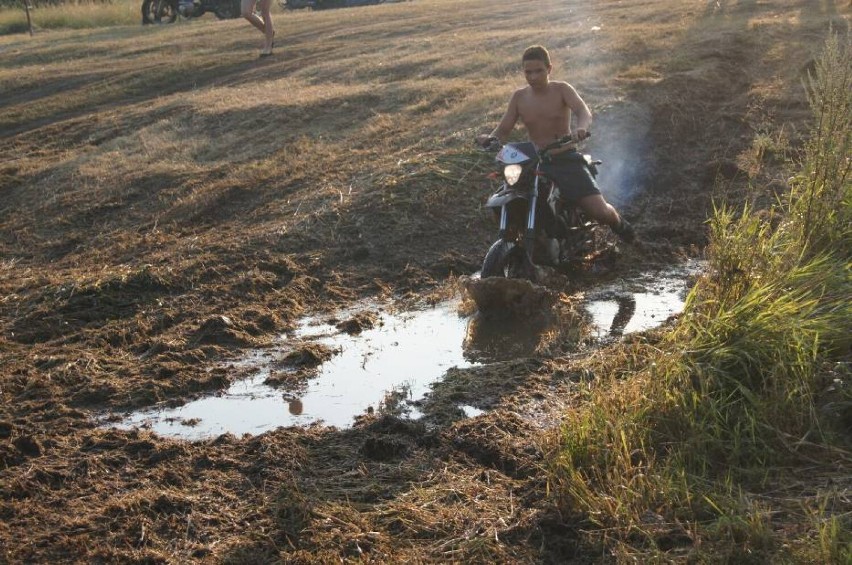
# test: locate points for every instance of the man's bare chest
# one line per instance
(543, 109)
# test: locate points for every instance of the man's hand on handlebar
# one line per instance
(569, 140)
(487, 141)
(576, 137)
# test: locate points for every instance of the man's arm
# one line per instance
(578, 106)
(507, 123)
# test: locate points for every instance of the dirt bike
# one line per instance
(536, 227)
(167, 11)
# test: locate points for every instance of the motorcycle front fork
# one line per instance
(529, 235)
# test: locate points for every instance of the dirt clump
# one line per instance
(220, 330)
(509, 297)
(358, 323)
(309, 355)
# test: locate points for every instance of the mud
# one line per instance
(132, 277)
(329, 372)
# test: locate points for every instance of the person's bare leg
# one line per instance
(268, 30)
(602, 211)
(599, 209)
(247, 11)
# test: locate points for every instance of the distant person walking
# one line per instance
(263, 23)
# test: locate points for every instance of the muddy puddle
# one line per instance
(393, 362)
(378, 368)
(638, 304)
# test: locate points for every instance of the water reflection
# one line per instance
(625, 312)
(641, 303)
(490, 338)
(295, 407)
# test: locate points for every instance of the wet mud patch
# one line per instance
(441, 363)
(327, 371)
(499, 440)
(471, 392)
(517, 351)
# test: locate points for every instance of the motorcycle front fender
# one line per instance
(503, 197)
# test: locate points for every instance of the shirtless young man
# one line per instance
(545, 108)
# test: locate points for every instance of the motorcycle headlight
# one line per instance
(512, 173)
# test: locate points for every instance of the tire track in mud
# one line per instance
(700, 112)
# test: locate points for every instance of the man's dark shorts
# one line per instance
(572, 175)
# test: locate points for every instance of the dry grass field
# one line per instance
(168, 200)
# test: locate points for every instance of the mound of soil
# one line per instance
(499, 296)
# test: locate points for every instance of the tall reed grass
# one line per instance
(730, 397)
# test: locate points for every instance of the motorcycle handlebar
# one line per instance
(493, 144)
(564, 140)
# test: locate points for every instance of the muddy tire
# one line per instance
(498, 259)
(159, 11)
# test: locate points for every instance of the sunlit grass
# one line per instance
(730, 398)
(80, 15)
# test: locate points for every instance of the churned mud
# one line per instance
(236, 313)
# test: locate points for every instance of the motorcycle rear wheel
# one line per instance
(227, 9)
(159, 12)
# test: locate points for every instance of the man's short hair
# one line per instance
(536, 53)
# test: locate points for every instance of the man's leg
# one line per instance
(602, 211)
(268, 30)
(247, 11)
(599, 209)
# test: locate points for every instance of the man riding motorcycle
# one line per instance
(545, 107)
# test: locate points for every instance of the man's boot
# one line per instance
(625, 231)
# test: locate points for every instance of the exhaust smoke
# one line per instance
(621, 142)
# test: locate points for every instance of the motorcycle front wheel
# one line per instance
(504, 259)
(159, 12)
(496, 260)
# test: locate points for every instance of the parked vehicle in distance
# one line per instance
(167, 11)
(325, 4)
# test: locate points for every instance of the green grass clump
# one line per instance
(674, 456)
